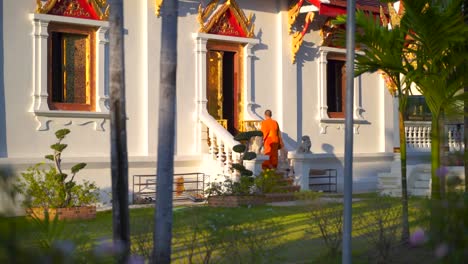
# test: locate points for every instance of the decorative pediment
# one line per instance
(226, 19)
(89, 9)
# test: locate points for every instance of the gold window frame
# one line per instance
(90, 79)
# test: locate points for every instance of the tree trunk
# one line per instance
(119, 159)
(435, 158)
(465, 136)
(404, 187)
(465, 140)
(166, 134)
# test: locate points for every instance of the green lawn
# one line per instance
(260, 234)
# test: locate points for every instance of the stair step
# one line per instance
(421, 192)
(421, 184)
(424, 176)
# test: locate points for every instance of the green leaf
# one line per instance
(49, 157)
(60, 134)
(61, 176)
(78, 167)
(246, 173)
(69, 185)
(240, 148)
(58, 147)
(242, 136)
(250, 155)
(256, 133)
(248, 135)
(238, 167)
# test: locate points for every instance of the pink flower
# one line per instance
(418, 237)
(442, 172)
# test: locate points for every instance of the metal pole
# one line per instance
(348, 158)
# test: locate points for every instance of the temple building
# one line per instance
(236, 58)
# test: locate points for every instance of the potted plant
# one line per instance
(48, 190)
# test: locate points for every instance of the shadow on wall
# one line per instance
(335, 163)
(3, 142)
(187, 8)
(306, 54)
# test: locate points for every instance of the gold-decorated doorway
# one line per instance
(224, 91)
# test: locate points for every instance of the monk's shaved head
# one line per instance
(268, 113)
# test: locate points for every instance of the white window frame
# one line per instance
(322, 91)
(201, 41)
(40, 107)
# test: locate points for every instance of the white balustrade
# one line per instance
(418, 136)
(221, 143)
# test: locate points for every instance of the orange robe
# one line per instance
(271, 142)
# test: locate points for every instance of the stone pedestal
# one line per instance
(301, 163)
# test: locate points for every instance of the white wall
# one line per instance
(289, 90)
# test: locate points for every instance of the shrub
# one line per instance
(269, 181)
(329, 221)
(48, 186)
(381, 227)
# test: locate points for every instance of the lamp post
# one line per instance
(349, 124)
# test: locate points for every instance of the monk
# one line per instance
(272, 141)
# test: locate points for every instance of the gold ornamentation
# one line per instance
(157, 7)
(390, 83)
(293, 13)
(250, 125)
(215, 84)
(298, 37)
(219, 14)
(327, 32)
(100, 7)
(222, 122)
(395, 17)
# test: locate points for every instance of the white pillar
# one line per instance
(301, 164)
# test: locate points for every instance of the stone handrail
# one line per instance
(220, 143)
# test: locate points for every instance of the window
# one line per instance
(417, 109)
(69, 74)
(336, 87)
(71, 71)
(331, 82)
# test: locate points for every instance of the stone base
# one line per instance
(84, 212)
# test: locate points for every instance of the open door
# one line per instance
(223, 85)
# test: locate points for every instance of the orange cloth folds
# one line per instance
(271, 142)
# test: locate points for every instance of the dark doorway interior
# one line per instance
(229, 91)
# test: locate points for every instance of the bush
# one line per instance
(329, 221)
(381, 227)
(48, 186)
(269, 181)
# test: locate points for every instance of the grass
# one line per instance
(260, 234)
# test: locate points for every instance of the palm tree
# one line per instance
(438, 39)
(119, 159)
(384, 50)
(166, 133)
